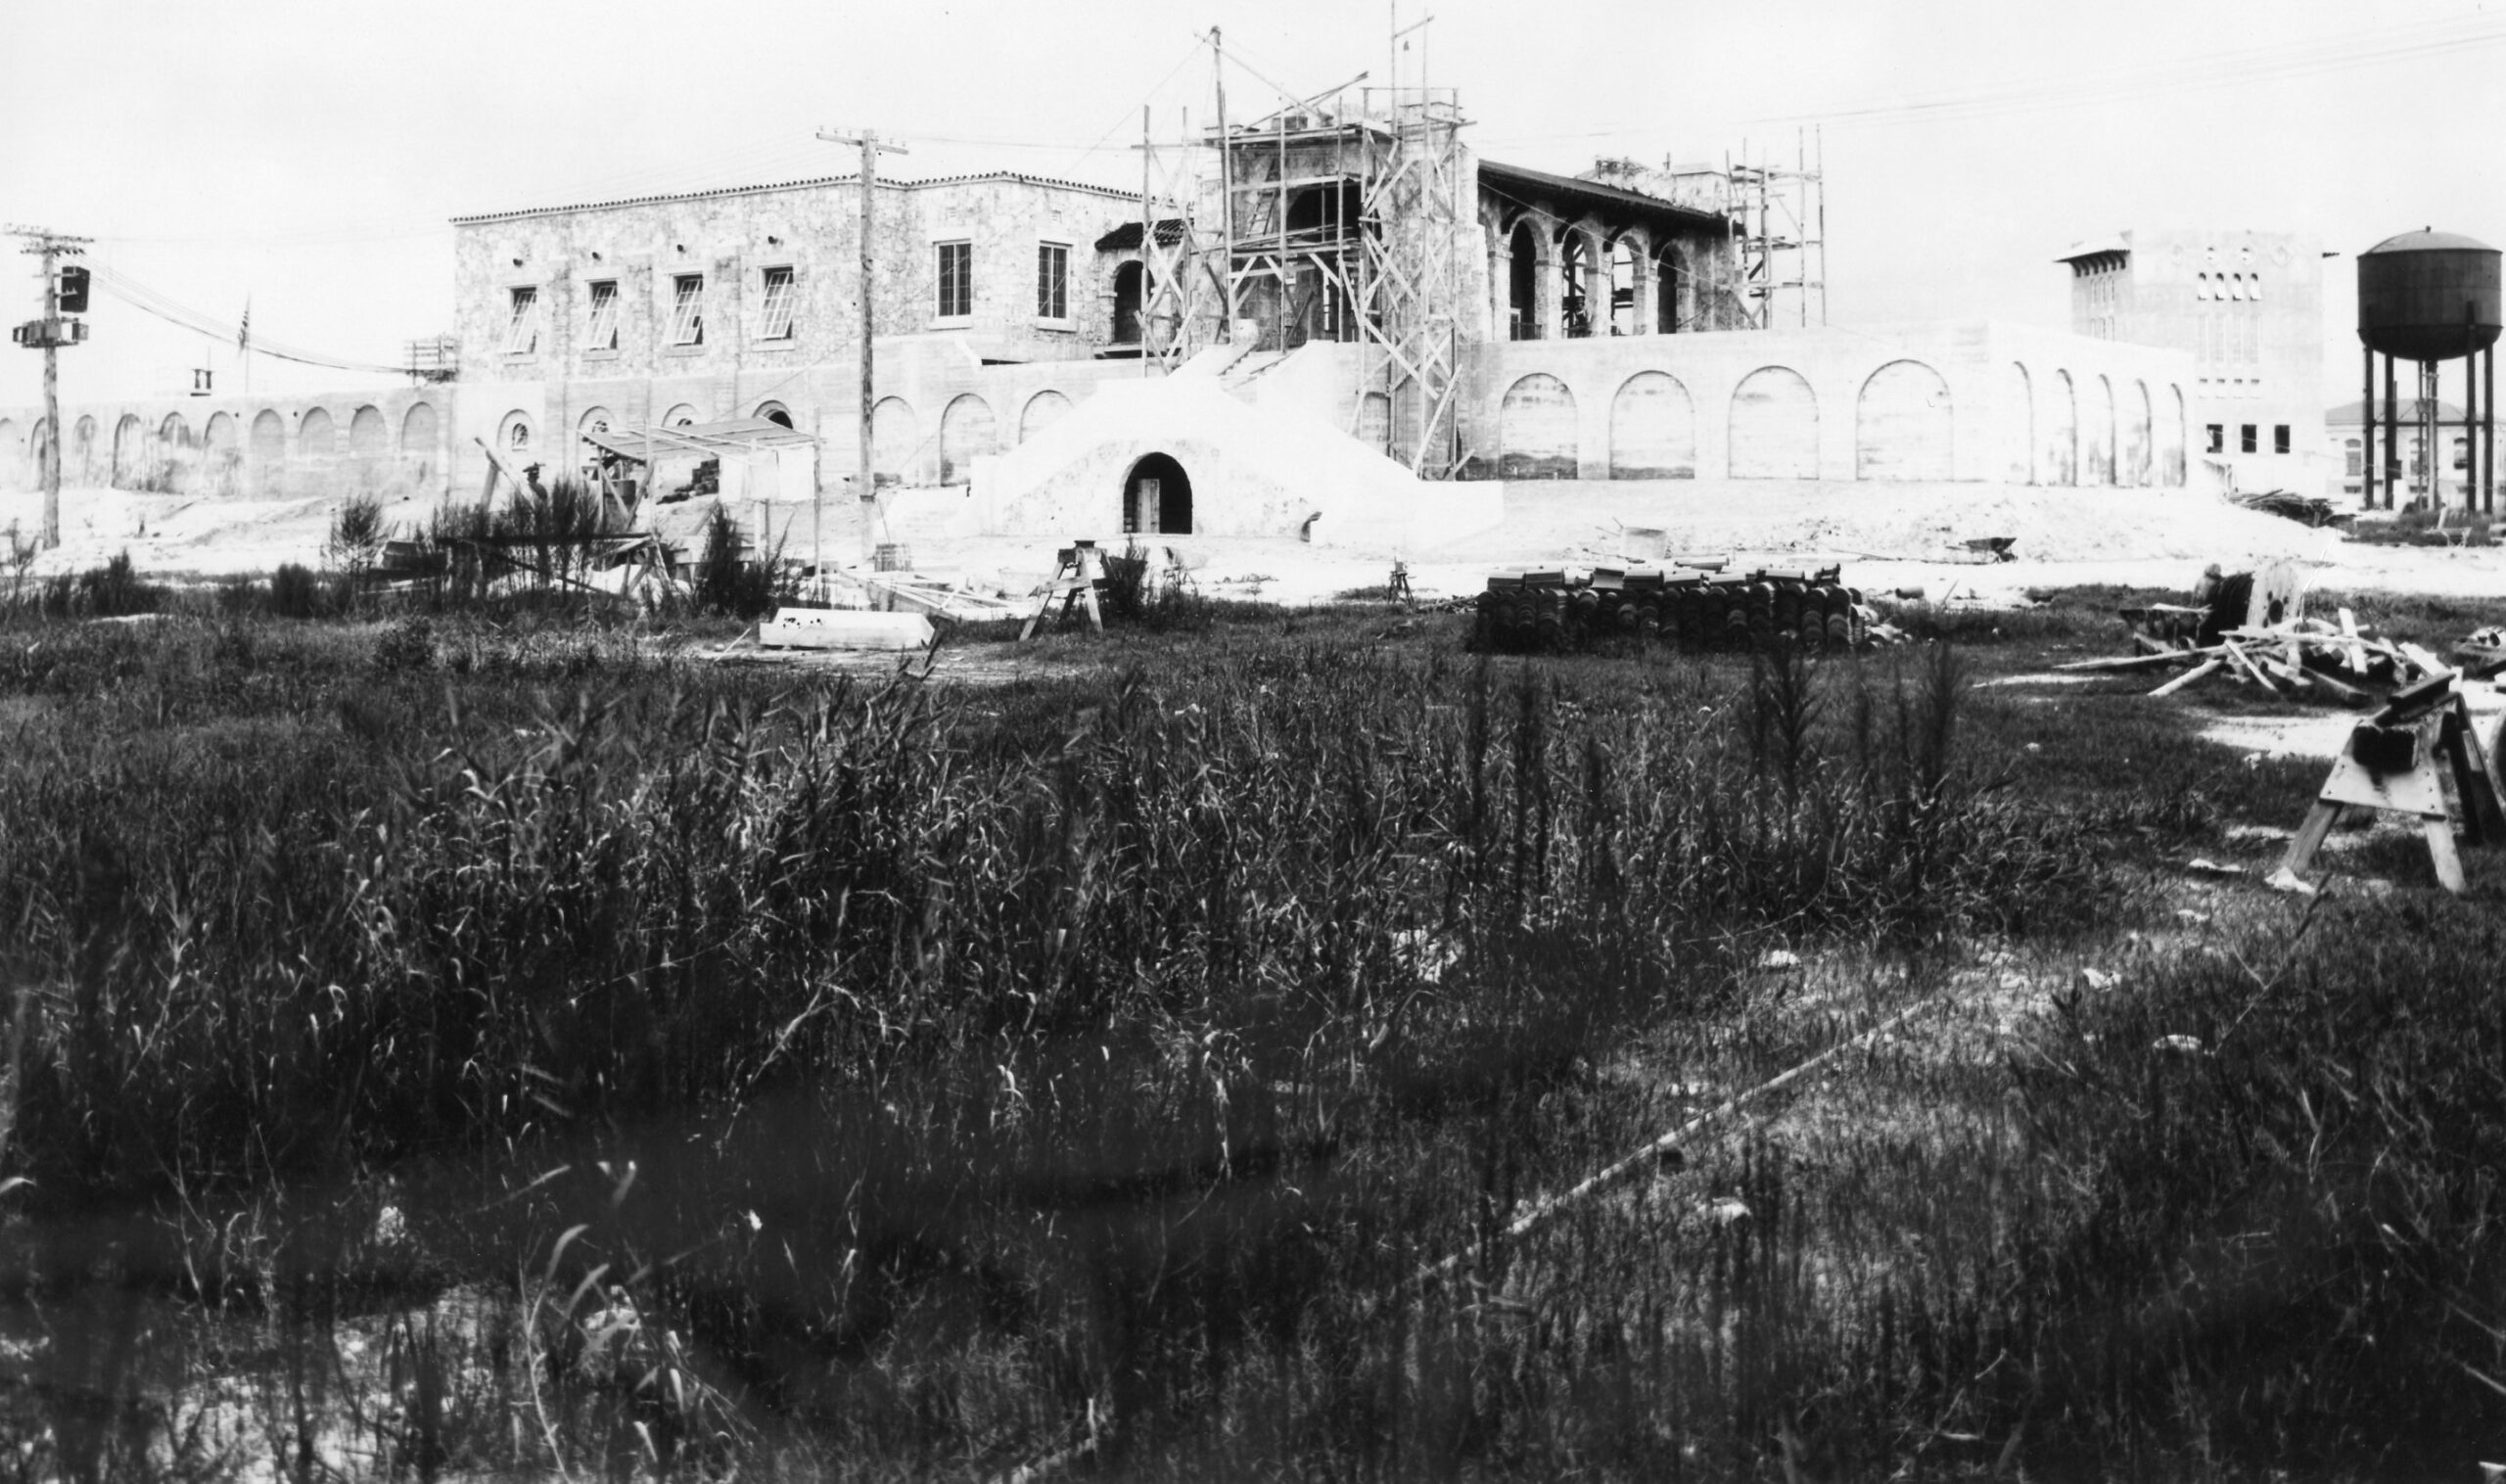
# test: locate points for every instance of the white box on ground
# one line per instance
(844, 628)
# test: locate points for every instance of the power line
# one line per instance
(152, 301)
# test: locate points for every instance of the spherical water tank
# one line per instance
(2428, 296)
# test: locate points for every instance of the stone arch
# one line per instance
(773, 412)
(268, 451)
(1582, 281)
(1375, 420)
(2170, 438)
(173, 432)
(1904, 425)
(13, 455)
(315, 437)
(2019, 426)
(1536, 429)
(2060, 424)
(369, 438)
(895, 437)
(594, 420)
(965, 431)
(2132, 439)
(2097, 432)
(130, 469)
(1671, 284)
(35, 441)
(420, 435)
(82, 441)
(517, 439)
(1042, 411)
(1157, 496)
(1624, 260)
(1652, 429)
(1775, 426)
(1522, 280)
(220, 458)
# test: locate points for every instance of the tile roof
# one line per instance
(794, 185)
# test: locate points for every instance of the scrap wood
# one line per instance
(2244, 662)
(2206, 668)
(2155, 661)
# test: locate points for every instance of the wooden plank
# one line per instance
(2429, 665)
(2238, 658)
(2158, 661)
(2309, 837)
(2206, 668)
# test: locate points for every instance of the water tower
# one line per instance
(2426, 298)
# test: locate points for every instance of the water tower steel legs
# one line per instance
(2488, 429)
(2367, 416)
(2392, 433)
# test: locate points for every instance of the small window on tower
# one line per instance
(2279, 437)
(521, 330)
(2247, 440)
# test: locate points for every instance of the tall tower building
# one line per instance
(2248, 307)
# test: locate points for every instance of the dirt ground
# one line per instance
(1884, 537)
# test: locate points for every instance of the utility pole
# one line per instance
(51, 333)
(867, 491)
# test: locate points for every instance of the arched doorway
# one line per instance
(775, 413)
(1129, 297)
(1157, 497)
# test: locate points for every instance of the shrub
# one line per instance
(296, 593)
(730, 587)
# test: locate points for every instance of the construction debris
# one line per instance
(844, 628)
(2399, 761)
(1560, 609)
(2306, 510)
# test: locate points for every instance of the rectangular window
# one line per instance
(687, 317)
(956, 275)
(521, 330)
(2218, 438)
(774, 320)
(604, 316)
(2357, 459)
(1052, 281)
(2246, 439)
(2279, 437)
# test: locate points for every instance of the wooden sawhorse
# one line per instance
(1074, 582)
(2390, 764)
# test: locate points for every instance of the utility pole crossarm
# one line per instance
(867, 492)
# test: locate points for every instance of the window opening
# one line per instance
(2219, 438)
(522, 331)
(2247, 442)
(2280, 438)
(1131, 292)
(1622, 288)
(1522, 277)
(1574, 309)
(2356, 457)
(956, 263)
(604, 315)
(687, 318)
(774, 320)
(1052, 281)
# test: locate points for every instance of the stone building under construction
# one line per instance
(1345, 270)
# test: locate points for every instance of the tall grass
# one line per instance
(931, 1081)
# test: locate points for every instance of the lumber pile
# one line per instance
(1691, 607)
(2306, 510)
(2336, 663)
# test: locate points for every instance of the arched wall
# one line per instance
(1042, 411)
(965, 431)
(267, 461)
(2060, 464)
(1775, 426)
(1904, 426)
(421, 442)
(895, 437)
(131, 466)
(1652, 429)
(2097, 432)
(1536, 429)
(2133, 444)
(2171, 434)
(1375, 420)
(2019, 425)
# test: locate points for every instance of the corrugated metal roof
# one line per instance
(794, 185)
(1544, 183)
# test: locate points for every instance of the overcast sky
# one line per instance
(304, 157)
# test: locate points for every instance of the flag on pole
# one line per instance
(243, 333)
